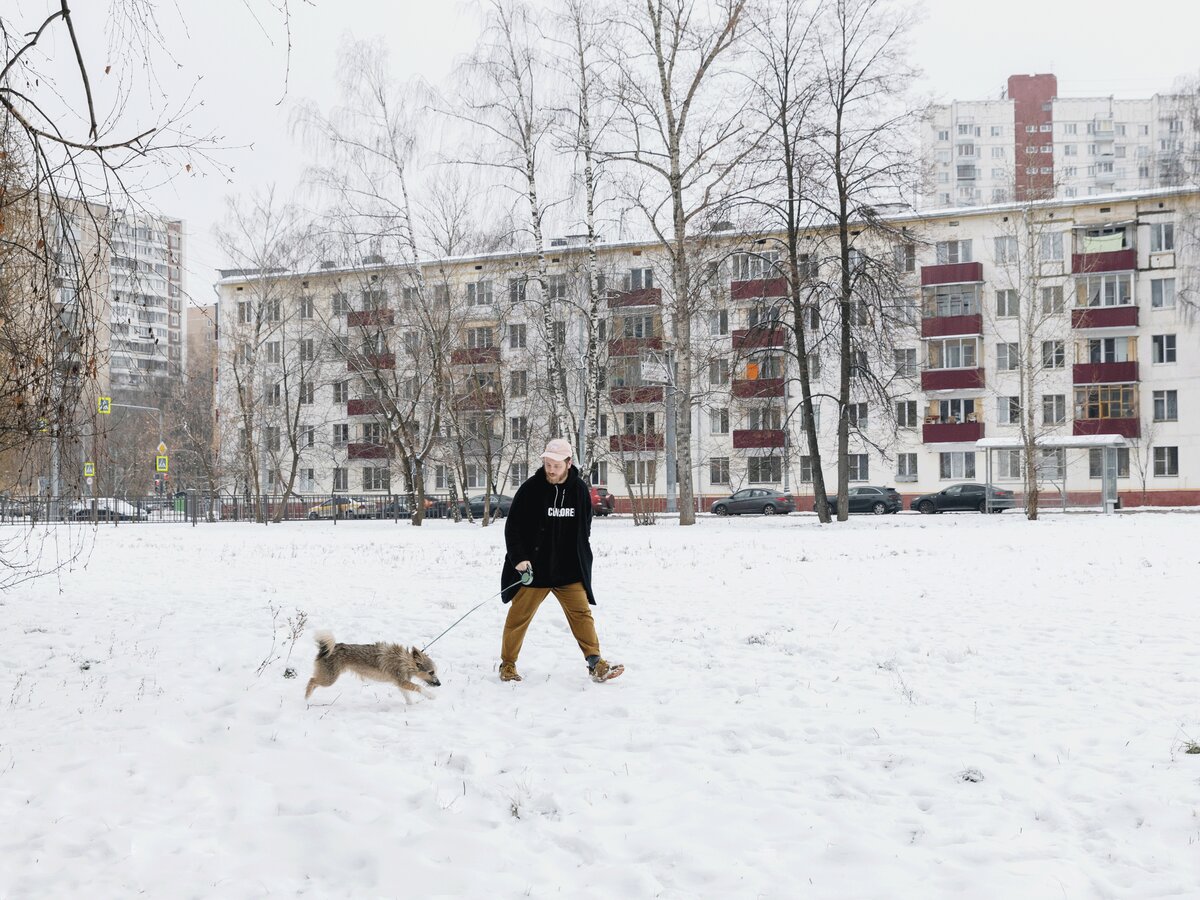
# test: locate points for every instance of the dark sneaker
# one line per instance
(604, 671)
(508, 672)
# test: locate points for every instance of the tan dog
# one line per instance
(377, 662)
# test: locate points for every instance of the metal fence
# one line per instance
(195, 507)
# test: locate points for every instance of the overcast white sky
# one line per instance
(241, 67)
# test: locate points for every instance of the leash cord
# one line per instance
(521, 580)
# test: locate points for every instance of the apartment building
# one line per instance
(1110, 350)
(1032, 143)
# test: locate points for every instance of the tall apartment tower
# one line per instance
(1031, 143)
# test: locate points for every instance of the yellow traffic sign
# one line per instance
(104, 406)
(160, 464)
(89, 470)
(162, 449)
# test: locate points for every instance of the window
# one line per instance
(516, 337)
(271, 310)
(718, 371)
(1054, 354)
(956, 465)
(906, 413)
(954, 353)
(518, 428)
(1166, 406)
(244, 317)
(952, 300)
(306, 392)
(599, 472)
(341, 479)
(377, 478)
(718, 470)
(1109, 350)
(1166, 461)
(753, 266)
(518, 472)
(341, 435)
(639, 279)
(856, 413)
(306, 307)
(1006, 357)
(641, 472)
(273, 352)
(1006, 250)
(806, 470)
(1009, 463)
(602, 425)
(906, 467)
(718, 323)
(1104, 290)
(1070, 149)
(556, 287)
(639, 423)
(1162, 236)
(271, 438)
(718, 421)
(953, 252)
(943, 135)
(906, 257)
(273, 394)
(372, 433)
(860, 466)
(765, 418)
(1163, 348)
(1096, 463)
(1052, 300)
(516, 290)
(1007, 304)
(637, 327)
(518, 383)
(1162, 293)
(1052, 463)
(1050, 246)
(1008, 410)
(308, 436)
(1106, 401)
(906, 362)
(479, 293)
(1054, 409)
(480, 338)
(1070, 128)
(308, 350)
(558, 333)
(764, 469)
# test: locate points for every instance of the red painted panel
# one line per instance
(370, 317)
(758, 289)
(633, 346)
(1112, 261)
(1104, 317)
(940, 326)
(754, 338)
(951, 379)
(1129, 428)
(361, 362)
(366, 407)
(366, 451)
(621, 395)
(1104, 373)
(744, 439)
(749, 388)
(628, 443)
(643, 297)
(1032, 97)
(474, 356)
(480, 400)
(952, 273)
(945, 433)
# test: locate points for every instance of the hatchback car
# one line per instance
(341, 508)
(499, 506)
(754, 500)
(602, 501)
(108, 509)
(965, 498)
(866, 499)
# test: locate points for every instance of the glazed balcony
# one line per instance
(367, 406)
(753, 438)
(369, 317)
(366, 451)
(633, 346)
(1105, 317)
(365, 362)
(644, 394)
(1104, 373)
(1130, 428)
(758, 338)
(945, 326)
(758, 289)
(752, 388)
(1112, 261)
(640, 297)
(952, 273)
(952, 379)
(630, 443)
(951, 432)
(475, 356)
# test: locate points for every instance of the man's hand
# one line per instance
(522, 565)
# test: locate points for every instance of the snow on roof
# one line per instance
(1065, 441)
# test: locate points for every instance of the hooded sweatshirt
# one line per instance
(549, 525)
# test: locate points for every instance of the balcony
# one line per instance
(751, 388)
(633, 346)
(1110, 261)
(952, 273)
(758, 289)
(952, 379)
(475, 356)
(623, 395)
(951, 432)
(942, 326)
(1105, 317)
(1104, 373)
(750, 438)
(487, 400)
(365, 362)
(1130, 428)
(366, 451)
(368, 317)
(640, 297)
(631, 443)
(368, 406)
(758, 338)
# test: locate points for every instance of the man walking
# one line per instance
(547, 530)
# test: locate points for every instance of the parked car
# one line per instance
(499, 506)
(965, 498)
(868, 499)
(340, 507)
(108, 509)
(13, 509)
(754, 500)
(398, 508)
(602, 501)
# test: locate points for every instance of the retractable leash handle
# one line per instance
(526, 579)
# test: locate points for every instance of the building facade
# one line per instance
(1065, 317)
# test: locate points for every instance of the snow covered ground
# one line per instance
(953, 706)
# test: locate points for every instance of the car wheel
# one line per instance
(926, 507)
(768, 510)
(983, 506)
(720, 510)
(879, 509)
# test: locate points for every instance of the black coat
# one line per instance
(526, 524)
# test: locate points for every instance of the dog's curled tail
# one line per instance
(325, 643)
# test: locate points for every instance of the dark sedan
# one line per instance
(965, 498)
(754, 500)
(866, 499)
(499, 506)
